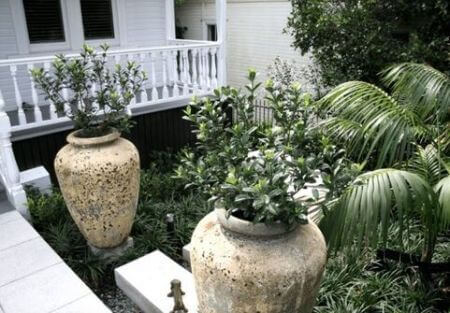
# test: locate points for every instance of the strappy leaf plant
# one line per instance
(403, 136)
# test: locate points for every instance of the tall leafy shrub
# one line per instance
(356, 39)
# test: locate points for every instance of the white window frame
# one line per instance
(73, 29)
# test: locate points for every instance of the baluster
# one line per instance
(65, 96)
(185, 72)
(213, 68)
(144, 97)
(8, 162)
(130, 58)
(154, 90)
(117, 59)
(207, 70)
(51, 107)
(176, 78)
(19, 102)
(194, 70)
(36, 109)
(201, 66)
(165, 90)
(93, 91)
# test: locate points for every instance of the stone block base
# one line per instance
(112, 253)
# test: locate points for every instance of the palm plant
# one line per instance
(404, 137)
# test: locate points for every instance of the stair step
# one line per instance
(5, 206)
(146, 281)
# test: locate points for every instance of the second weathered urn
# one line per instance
(99, 179)
(241, 267)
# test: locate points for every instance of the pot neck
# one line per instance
(74, 139)
(246, 228)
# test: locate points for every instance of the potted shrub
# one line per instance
(257, 251)
(98, 171)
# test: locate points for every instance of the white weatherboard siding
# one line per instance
(255, 34)
(7, 35)
(139, 23)
(146, 24)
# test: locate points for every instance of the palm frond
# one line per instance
(442, 189)
(364, 212)
(427, 89)
(427, 163)
(385, 126)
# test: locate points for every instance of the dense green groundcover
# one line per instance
(351, 283)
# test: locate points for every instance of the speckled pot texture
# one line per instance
(99, 179)
(240, 267)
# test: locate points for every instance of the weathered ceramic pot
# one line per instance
(99, 179)
(240, 267)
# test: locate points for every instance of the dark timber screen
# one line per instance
(158, 131)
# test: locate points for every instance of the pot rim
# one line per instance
(240, 226)
(73, 139)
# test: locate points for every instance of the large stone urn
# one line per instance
(99, 179)
(241, 267)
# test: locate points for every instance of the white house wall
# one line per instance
(255, 33)
(141, 24)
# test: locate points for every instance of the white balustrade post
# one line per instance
(19, 102)
(8, 165)
(36, 109)
(185, 72)
(144, 97)
(221, 20)
(207, 70)
(202, 68)
(176, 78)
(153, 69)
(65, 96)
(194, 70)
(130, 58)
(213, 68)
(165, 90)
(51, 108)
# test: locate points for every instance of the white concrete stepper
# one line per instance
(33, 278)
(146, 281)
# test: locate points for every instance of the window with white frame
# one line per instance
(61, 25)
(97, 18)
(44, 21)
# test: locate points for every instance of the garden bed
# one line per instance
(352, 282)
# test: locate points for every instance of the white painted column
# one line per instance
(221, 20)
(36, 108)
(170, 20)
(8, 165)
(18, 96)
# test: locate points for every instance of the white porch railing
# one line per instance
(175, 72)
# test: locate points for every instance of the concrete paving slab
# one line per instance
(146, 281)
(9, 216)
(16, 232)
(24, 259)
(187, 253)
(43, 291)
(87, 304)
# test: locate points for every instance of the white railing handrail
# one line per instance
(41, 59)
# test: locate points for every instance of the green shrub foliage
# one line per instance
(355, 40)
(253, 170)
(87, 91)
